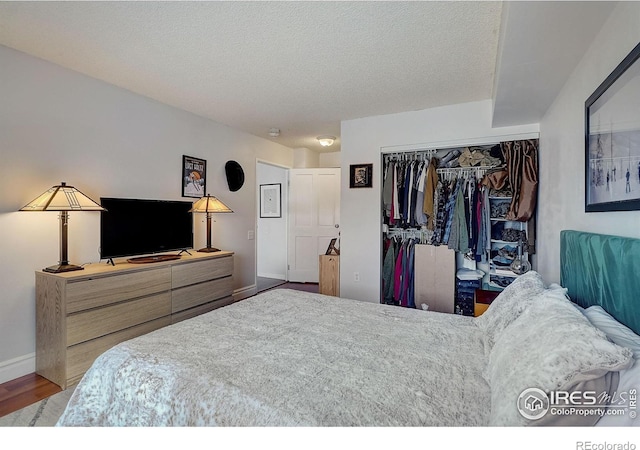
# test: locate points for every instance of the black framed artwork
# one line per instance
(194, 176)
(612, 140)
(361, 176)
(270, 200)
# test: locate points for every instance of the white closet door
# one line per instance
(314, 219)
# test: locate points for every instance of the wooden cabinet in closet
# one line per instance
(434, 279)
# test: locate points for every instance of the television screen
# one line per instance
(131, 227)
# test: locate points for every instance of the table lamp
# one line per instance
(63, 198)
(209, 205)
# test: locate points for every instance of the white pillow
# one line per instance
(551, 347)
(614, 330)
(508, 306)
(629, 378)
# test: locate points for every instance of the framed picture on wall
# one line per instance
(194, 176)
(612, 140)
(361, 175)
(270, 200)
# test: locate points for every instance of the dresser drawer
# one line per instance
(198, 294)
(103, 290)
(193, 312)
(87, 325)
(199, 271)
(81, 356)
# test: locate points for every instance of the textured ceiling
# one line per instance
(301, 66)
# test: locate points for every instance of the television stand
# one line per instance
(152, 259)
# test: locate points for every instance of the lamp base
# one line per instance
(62, 268)
(209, 250)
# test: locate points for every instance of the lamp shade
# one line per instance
(62, 198)
(209, 204)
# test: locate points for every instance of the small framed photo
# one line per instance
(361, 176)
(333, 248)
(270, 200)
(194, 176)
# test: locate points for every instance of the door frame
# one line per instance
(285, 215)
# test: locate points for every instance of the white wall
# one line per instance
(362, 140)
(57, 125)
(329, 159)
(272, 231)
(303, 158)
(562, 156)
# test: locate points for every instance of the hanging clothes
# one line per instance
(395, 210)
(450, 205)
(421, 218)
(520, 175)
(429, 192)
(388, 267)
(459, 237)
(387, 188)
(398, 274)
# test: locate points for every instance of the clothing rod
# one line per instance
(444, 145)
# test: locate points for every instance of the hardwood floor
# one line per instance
(29, 389)
(24, 391)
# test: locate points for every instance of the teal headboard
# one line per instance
(603, 270)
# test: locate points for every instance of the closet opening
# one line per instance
(457, 220)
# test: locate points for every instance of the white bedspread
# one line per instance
(290, 358)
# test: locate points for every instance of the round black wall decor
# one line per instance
(235, 175)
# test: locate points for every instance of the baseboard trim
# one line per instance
(277, 276)
(244, 292)
(17, 367)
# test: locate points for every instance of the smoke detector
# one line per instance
(274, 132)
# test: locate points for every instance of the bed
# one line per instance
(291, 358)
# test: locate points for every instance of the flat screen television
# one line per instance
(132, 227)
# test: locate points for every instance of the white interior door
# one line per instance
(314, 219)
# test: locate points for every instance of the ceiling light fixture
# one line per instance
(274, 132)
(326, 141)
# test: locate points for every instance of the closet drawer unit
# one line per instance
(87, 325)
(81, 356)
(193, 312)
(103, 290)
(199, 294)
(199, 271)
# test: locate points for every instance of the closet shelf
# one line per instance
(503, 273)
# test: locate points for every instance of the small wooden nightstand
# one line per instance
(329, 275)
(482, 300)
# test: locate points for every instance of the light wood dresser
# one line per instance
(81, 314)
